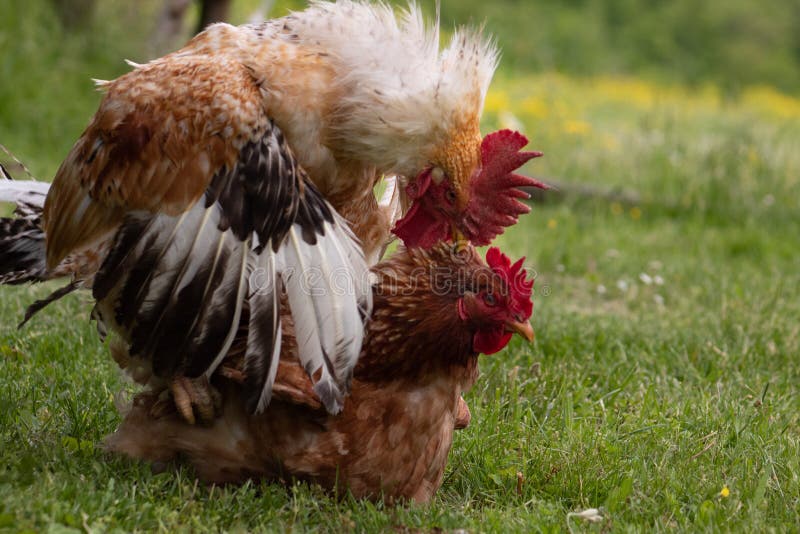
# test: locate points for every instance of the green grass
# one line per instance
(666, 365)
(643, 399)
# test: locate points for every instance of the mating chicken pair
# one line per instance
(220, 207)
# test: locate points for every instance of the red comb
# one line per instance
(519, 287)
(495, 189)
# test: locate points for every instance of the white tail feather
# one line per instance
(390, 200)
(23, 191)
(309, 322)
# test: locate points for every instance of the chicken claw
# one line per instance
(194, 398)
(231, 373)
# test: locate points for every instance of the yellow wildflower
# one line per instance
(724, 492)
(610, 142)
(772, 101)
(575, 127)
(616, 208)
(534, 107)
(497, 101)
(629, 90)
(552, 223)
(636, 213)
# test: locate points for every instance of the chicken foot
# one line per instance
(193, 398)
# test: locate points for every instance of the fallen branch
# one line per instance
(560, 190)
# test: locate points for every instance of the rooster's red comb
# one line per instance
(495, 189)
(519, 287)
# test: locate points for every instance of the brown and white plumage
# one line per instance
(184, 170)
(173, 285)
(211, 178)
(432, 311)
(359, 91)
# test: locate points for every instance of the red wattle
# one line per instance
(491, 341)
(421, 227)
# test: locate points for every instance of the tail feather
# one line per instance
(41, 304)
(21, 237)
(22, 240)
(27, 195)
(21, 251)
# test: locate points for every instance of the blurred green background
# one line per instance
(50, 48)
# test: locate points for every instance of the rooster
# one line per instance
(356, 94)
(251, 153)
(433, 312)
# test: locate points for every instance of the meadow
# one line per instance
(662, 387)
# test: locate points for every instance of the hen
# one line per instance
(433, 312)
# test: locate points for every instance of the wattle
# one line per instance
(421, 227)
(491, 341)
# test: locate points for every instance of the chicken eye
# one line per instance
(489, 299)
(450, 196)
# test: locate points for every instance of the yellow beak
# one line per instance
(458, 236)
(523, 328)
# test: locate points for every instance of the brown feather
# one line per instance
(394, 434)
(160, 134)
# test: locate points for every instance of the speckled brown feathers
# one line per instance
(391, 440)
(415, 304)
(160, 135)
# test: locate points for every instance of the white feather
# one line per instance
(176, 236)
(206, 236)
(401, 97)
(344, 271)
(326, 293)
(297, 257)
(390, 200)
(269, 263)
(26, 191)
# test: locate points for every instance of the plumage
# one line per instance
(173, 286)
(392, 438)
(22, 193)
(262, 353)
(22, 240)
(359, 92)
(227, 190)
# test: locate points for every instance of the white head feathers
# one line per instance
(403, 100)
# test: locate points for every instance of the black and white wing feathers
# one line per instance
(175, 285)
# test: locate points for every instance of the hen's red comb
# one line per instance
(495, 189)
(519, 287)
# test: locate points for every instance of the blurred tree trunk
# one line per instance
(169, 27)
(74, 14)
(212, 11)
(170, 21)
